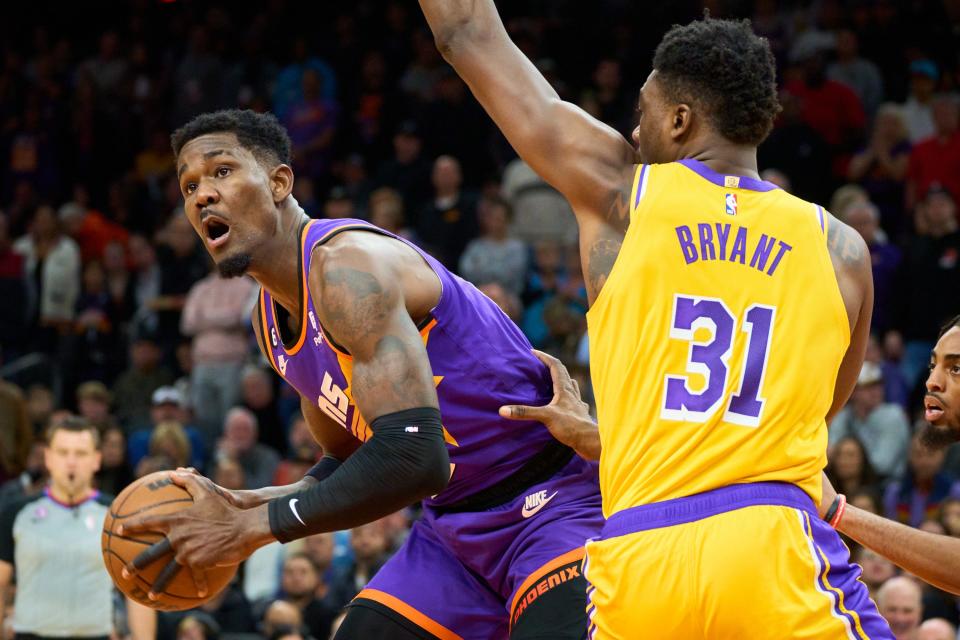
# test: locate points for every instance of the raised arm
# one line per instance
(581, 157)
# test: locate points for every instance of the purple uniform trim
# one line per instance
(703, 505)
(820, 215)
(719, 179)
(643, 173)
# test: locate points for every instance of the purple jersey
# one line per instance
(480, 361)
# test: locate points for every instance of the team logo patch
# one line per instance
(282, 363)
(313, 320)
(273, 335)
(731, 204)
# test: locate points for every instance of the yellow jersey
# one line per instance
(716, 340)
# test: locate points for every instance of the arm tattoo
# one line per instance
(354, 302)
(618, 212)
(845, 245)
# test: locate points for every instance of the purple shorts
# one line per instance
(461, 575)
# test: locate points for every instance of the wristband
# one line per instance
(321, 470)
(835, 512)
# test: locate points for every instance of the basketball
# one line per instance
(156, 494)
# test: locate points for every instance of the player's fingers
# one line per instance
(139, 524)
(200, 581)
(146, 557)
(576, 387)
(163, 578)
(190, 482)
(558, 372)
(521, 412)
(188, 470)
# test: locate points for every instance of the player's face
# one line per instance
(72, 459)
(656, 120)
(229, 198)
(942, 402)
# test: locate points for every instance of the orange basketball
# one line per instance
(156, 494)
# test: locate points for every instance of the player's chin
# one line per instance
(941, 433)
(235, 265)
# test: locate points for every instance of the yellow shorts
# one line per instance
(741, 562)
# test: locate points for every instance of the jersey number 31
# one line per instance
(710, 359)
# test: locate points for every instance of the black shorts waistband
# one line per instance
(541, 467)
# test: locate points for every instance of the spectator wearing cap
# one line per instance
(917, 495)
(134, 387)
(929, 281)
(167, 406)
(407, 170)
(936, 159)
(217, 316)
(93, 403)
(881, 426)
(917, 111)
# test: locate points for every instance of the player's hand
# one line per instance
(567, 417)
(829, 494)
(237, 498)
(210, 533)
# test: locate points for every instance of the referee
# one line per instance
(52, 540)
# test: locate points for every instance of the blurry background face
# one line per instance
(113, 448)
(876, 569)
(320, 548)
(368, 541)
(299, 577)
(950, 517)
(925, 461)
(848, 459)
(71, 460)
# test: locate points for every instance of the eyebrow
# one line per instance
(206, 156)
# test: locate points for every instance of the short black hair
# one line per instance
(73, 424)
(260, 133)
(725, 67)
(955, 322)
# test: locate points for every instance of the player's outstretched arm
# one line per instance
(581, 157)
(931, 557)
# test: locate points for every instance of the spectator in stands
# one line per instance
(311, 121)
(936, 629)
(936, 159)
(258, 396)
(881, 167)
(495, 256)
(299, 583)
(115, 473)
(239, 442)
(606, 99)
(386, 211)
(508, 302)
(876, 569)
(917, 111)
(13, 292)
(320, 549)
(895, 388)
(303, 452)
(167, 405)
(540, 213)
(930, 280)
(91, 230)
(856, 72)
(899, 602)
(798, 150)
(181, 266)
(119, 283)
(16, 435)
(369, 544)
(146, 281)
(31, 481)
(288, 88)
(170, 440)
(950, 516)
(849, 467)
(53, 272)
(217, 316)
(885, 257)
(134, 387)
(281, 619)
(882, 427)
(917, 495)
(407, 170)
(93, 403)
(96, 331)
(448, 221)
(339, 204)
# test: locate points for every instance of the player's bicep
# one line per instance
(363, 308)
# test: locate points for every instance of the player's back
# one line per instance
(480, 361)
(715, 342)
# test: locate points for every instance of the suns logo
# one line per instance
(730, 201)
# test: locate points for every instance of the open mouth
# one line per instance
(216, 231)
(932, 409)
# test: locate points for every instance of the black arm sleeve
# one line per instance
(406, 460)
(324, 468)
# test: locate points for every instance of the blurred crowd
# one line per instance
(111, 309)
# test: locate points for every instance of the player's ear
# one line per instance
(281, 182)
(682, 118)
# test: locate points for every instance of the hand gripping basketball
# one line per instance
(207, 534)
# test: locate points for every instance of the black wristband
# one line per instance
(323, 468)
(405, 461)
(832, 511)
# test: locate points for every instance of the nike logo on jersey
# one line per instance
(293, 507)
(534, 502)
(282, 363)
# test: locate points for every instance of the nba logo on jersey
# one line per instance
(731, 202)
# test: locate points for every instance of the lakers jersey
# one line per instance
(716, 340)
(480, 361)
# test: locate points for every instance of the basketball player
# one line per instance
(728, 319)
(381, 341)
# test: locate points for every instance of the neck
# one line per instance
(726, 157)
(66, 496)
(277, 262)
